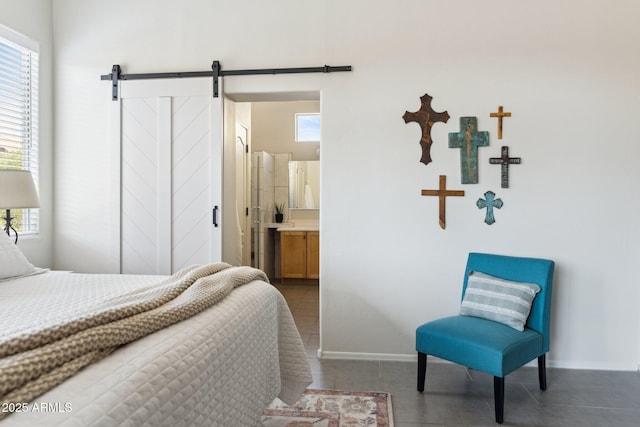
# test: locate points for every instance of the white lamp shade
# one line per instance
(17, 190)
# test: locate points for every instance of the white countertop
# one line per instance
(300, 226)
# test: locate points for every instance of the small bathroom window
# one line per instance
(308, 127)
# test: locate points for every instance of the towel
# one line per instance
(237, 256)
(308, 197)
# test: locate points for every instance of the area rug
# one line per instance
(332, 408)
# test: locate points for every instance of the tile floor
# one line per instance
(455, 396)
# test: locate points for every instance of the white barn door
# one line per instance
(169, 148)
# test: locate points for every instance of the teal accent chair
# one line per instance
(488, 346)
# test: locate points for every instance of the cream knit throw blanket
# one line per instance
(34, 362)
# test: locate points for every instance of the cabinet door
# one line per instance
(293, 254)
(313, 254)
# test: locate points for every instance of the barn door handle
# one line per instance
(215, 216)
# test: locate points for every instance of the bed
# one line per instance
(220, 367)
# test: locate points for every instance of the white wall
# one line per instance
(32, 18)
(566, 70)
(274, 128)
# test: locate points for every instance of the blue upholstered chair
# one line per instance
(486, 345)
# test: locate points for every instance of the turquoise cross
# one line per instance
(468, 140)
(490, 203)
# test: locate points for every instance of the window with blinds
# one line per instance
(19, 115)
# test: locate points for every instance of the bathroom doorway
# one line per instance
(268, 122)
(276, 158)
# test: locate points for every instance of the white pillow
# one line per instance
(497, 299)
(13, 263)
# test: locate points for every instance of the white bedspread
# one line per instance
(221, 367)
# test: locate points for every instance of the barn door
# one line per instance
(170, 174)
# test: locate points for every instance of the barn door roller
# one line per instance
(216, 72)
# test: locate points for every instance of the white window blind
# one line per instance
(19, 115)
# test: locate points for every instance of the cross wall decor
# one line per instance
(468, 140)
(489, 202)
(505, 161)
(426, 118)
(442, 193)
(500, 114)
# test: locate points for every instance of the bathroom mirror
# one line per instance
(304, 184)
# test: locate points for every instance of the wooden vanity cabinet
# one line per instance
(300, 254)
(313, 254)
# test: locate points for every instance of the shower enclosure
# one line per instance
(269, 185)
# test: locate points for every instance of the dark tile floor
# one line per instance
(456, 396)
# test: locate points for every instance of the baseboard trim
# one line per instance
(343, 355)
(560, 364)
(595, 366)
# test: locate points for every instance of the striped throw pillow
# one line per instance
(498, 299)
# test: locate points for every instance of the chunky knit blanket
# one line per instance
(32, 362)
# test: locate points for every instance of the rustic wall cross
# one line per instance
(505, 161)
(442, 193)
(468, 140)
(489, 202)
(500, 114)
(426, 118)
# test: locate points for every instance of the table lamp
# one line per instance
(17, 191)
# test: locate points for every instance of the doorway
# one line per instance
(269, 120)
(267, 123)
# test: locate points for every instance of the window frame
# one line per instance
(29, 122)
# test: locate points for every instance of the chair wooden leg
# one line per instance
(498, 398)
(542, 371)
(422, 370)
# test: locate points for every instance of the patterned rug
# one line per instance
(332, 408)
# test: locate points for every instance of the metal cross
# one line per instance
(426, 118)
(442, 193)
(505, 161)
(500, 114)
(490, 203)
(468, 140)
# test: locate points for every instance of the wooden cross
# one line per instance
(490, 203)
(505, 161)
(442, 193)
(426, 118)
(500, 114)
(468, 140)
